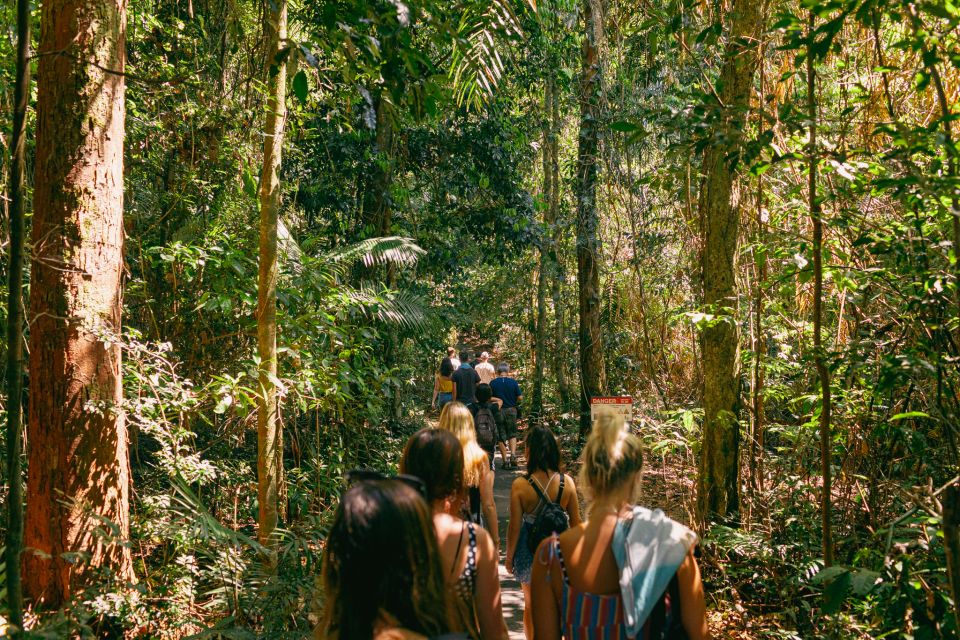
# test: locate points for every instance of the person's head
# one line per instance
(484, 392)
(446, 367)
(464, 356)
(457, 419)
(543, 452)
(451, 352)
(436, 457)
(382, 560)
(503, 368)
(612, 459)
(484, 356)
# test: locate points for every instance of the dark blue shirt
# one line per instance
(507, 389)
(467, 380)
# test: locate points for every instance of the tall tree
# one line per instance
(79, 468)
(560, 364)
(592, 374)
(18, 169)
(545, 271)
(719, 473)
(823, 372)
(269, 429)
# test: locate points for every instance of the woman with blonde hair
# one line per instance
(627, 571)
(477, 469)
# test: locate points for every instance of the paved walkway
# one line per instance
(511, 593)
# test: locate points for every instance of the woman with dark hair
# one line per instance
(467, 550)
(382, 572)
(444, 388)
(544, 479)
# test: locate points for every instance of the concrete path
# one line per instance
(511, 593)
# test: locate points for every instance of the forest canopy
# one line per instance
(240, 235)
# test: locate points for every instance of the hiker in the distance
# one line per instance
(484, 369)
(487, 420)
(444, 388)
(466, 379)
(452, 357)
(507, 390)
(543, 484)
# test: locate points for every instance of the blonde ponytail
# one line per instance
(612, 456)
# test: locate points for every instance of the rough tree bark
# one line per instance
(18, 168)
(823, 371)
(269, 427)
(719, 473)
(592, 374)
(79, 468)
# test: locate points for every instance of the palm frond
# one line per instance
(378, 251)
(399, 308)
(477, 65)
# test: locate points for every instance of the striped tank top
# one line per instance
(588, 616)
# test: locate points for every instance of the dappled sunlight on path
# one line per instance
(511, 592)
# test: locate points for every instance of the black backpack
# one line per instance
(550, 520)
(486, 426)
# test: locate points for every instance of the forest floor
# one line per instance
(510, 592)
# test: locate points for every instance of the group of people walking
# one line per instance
(416, 556)
(491, 394)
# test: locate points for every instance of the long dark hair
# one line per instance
(543, 452)
(436, 457)
(382, 558)
(446, 368)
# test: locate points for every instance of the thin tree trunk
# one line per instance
(757, 435)
(560, 363)
(269, 441)
(718, 482)
(18, 168)
(823, 372)
(546, 267)
(592, 374)
(951, 545)
(79, 468)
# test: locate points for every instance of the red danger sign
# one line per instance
(612, 400)
(622, 405)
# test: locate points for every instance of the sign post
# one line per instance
(622, 405)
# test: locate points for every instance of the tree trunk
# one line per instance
(592, 374)
(79, 468)
(951, 545)
(18, 168)
(560, 363)
(719, 477)
(270, 440)
(546, 269)
(757, 428)
(823, 372)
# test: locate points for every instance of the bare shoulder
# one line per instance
(520, 483)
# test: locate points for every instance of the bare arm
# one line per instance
(436, 390)
(546, 609)
(487, 505)
(489, 607)
(573, 503)
(513, 527)
(693, 606)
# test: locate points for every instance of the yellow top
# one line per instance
(446, 384)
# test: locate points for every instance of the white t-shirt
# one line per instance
(486, 372)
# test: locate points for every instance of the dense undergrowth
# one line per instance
(364, 321)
